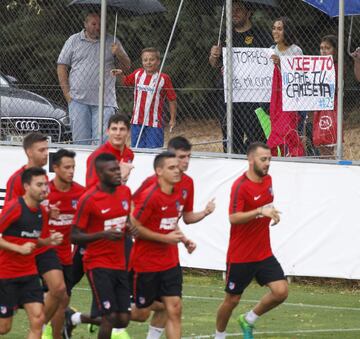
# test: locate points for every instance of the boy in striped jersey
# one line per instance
(149, 96)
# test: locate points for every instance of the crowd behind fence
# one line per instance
(34, 33)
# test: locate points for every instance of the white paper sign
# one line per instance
(308, 82)
(252, 74)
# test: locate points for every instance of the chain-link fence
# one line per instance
(35, 32)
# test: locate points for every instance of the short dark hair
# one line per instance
(178, 143)
(289, 31)
(104, 157)
(114, 119)
(31, 172)
(32, 138)
(62, 153)
(255, 145)
(151, 50)
(160, 158)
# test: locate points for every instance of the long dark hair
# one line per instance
(289, 35)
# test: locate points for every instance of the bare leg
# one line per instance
(57, 291)
(225, 310)
(173, 306)
(35, 313)
(277, 295)
(57, 321)
(5, 325)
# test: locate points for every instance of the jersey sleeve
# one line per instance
(144, 206)
(10, 213)
(189, 201)
(91, 175)
(14, 188)
(169, 89)
(129, 80)
(82, 214)
(237, 199)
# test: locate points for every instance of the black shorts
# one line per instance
(110, 290)
(68, 278)
(151, 286)
(239, 276)
(77, 266)
(48, 261)
(16, 292)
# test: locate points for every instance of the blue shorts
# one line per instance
(151, 137)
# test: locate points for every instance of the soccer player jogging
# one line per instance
(154, 258)
(36, 149)
(64, 193)
(182, 149)
(100, 223)
(21, 224)
(249, 254)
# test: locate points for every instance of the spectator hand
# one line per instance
(115, 49)
(276, 59)
(215, 52)
(356, 54)
(117, 72)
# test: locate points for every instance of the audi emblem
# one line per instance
(27, 125)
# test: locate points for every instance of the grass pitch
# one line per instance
(311, 311)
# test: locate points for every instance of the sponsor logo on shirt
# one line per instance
(145, 88)
(117, 223)
(168, 223)
(33, 234)
(62, 220)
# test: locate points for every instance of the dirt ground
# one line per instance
(206, 136)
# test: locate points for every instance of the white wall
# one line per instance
(319, 231)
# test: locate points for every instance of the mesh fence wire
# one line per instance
(34, 33)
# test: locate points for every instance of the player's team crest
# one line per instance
(271, 190)
(106, 304)
(3, 309)
(74, 204)
(142, 300)
(231, 285)
(125, 205)
(184, 193)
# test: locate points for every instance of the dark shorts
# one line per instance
(77, 266)
(16, 292)
(239, 276)
(47, 261)
(151, 286)
(110, 290)
(68, 278)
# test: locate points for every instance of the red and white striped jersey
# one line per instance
(145, 104)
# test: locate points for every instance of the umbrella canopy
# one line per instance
(331, 7)
(139, 7)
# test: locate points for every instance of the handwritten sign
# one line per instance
(252, 74)
(308, 83)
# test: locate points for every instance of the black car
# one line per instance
(22, 112)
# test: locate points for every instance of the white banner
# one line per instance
(252, 74)
(308, 83)
(318, 234)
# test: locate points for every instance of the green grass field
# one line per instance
(311, 311)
